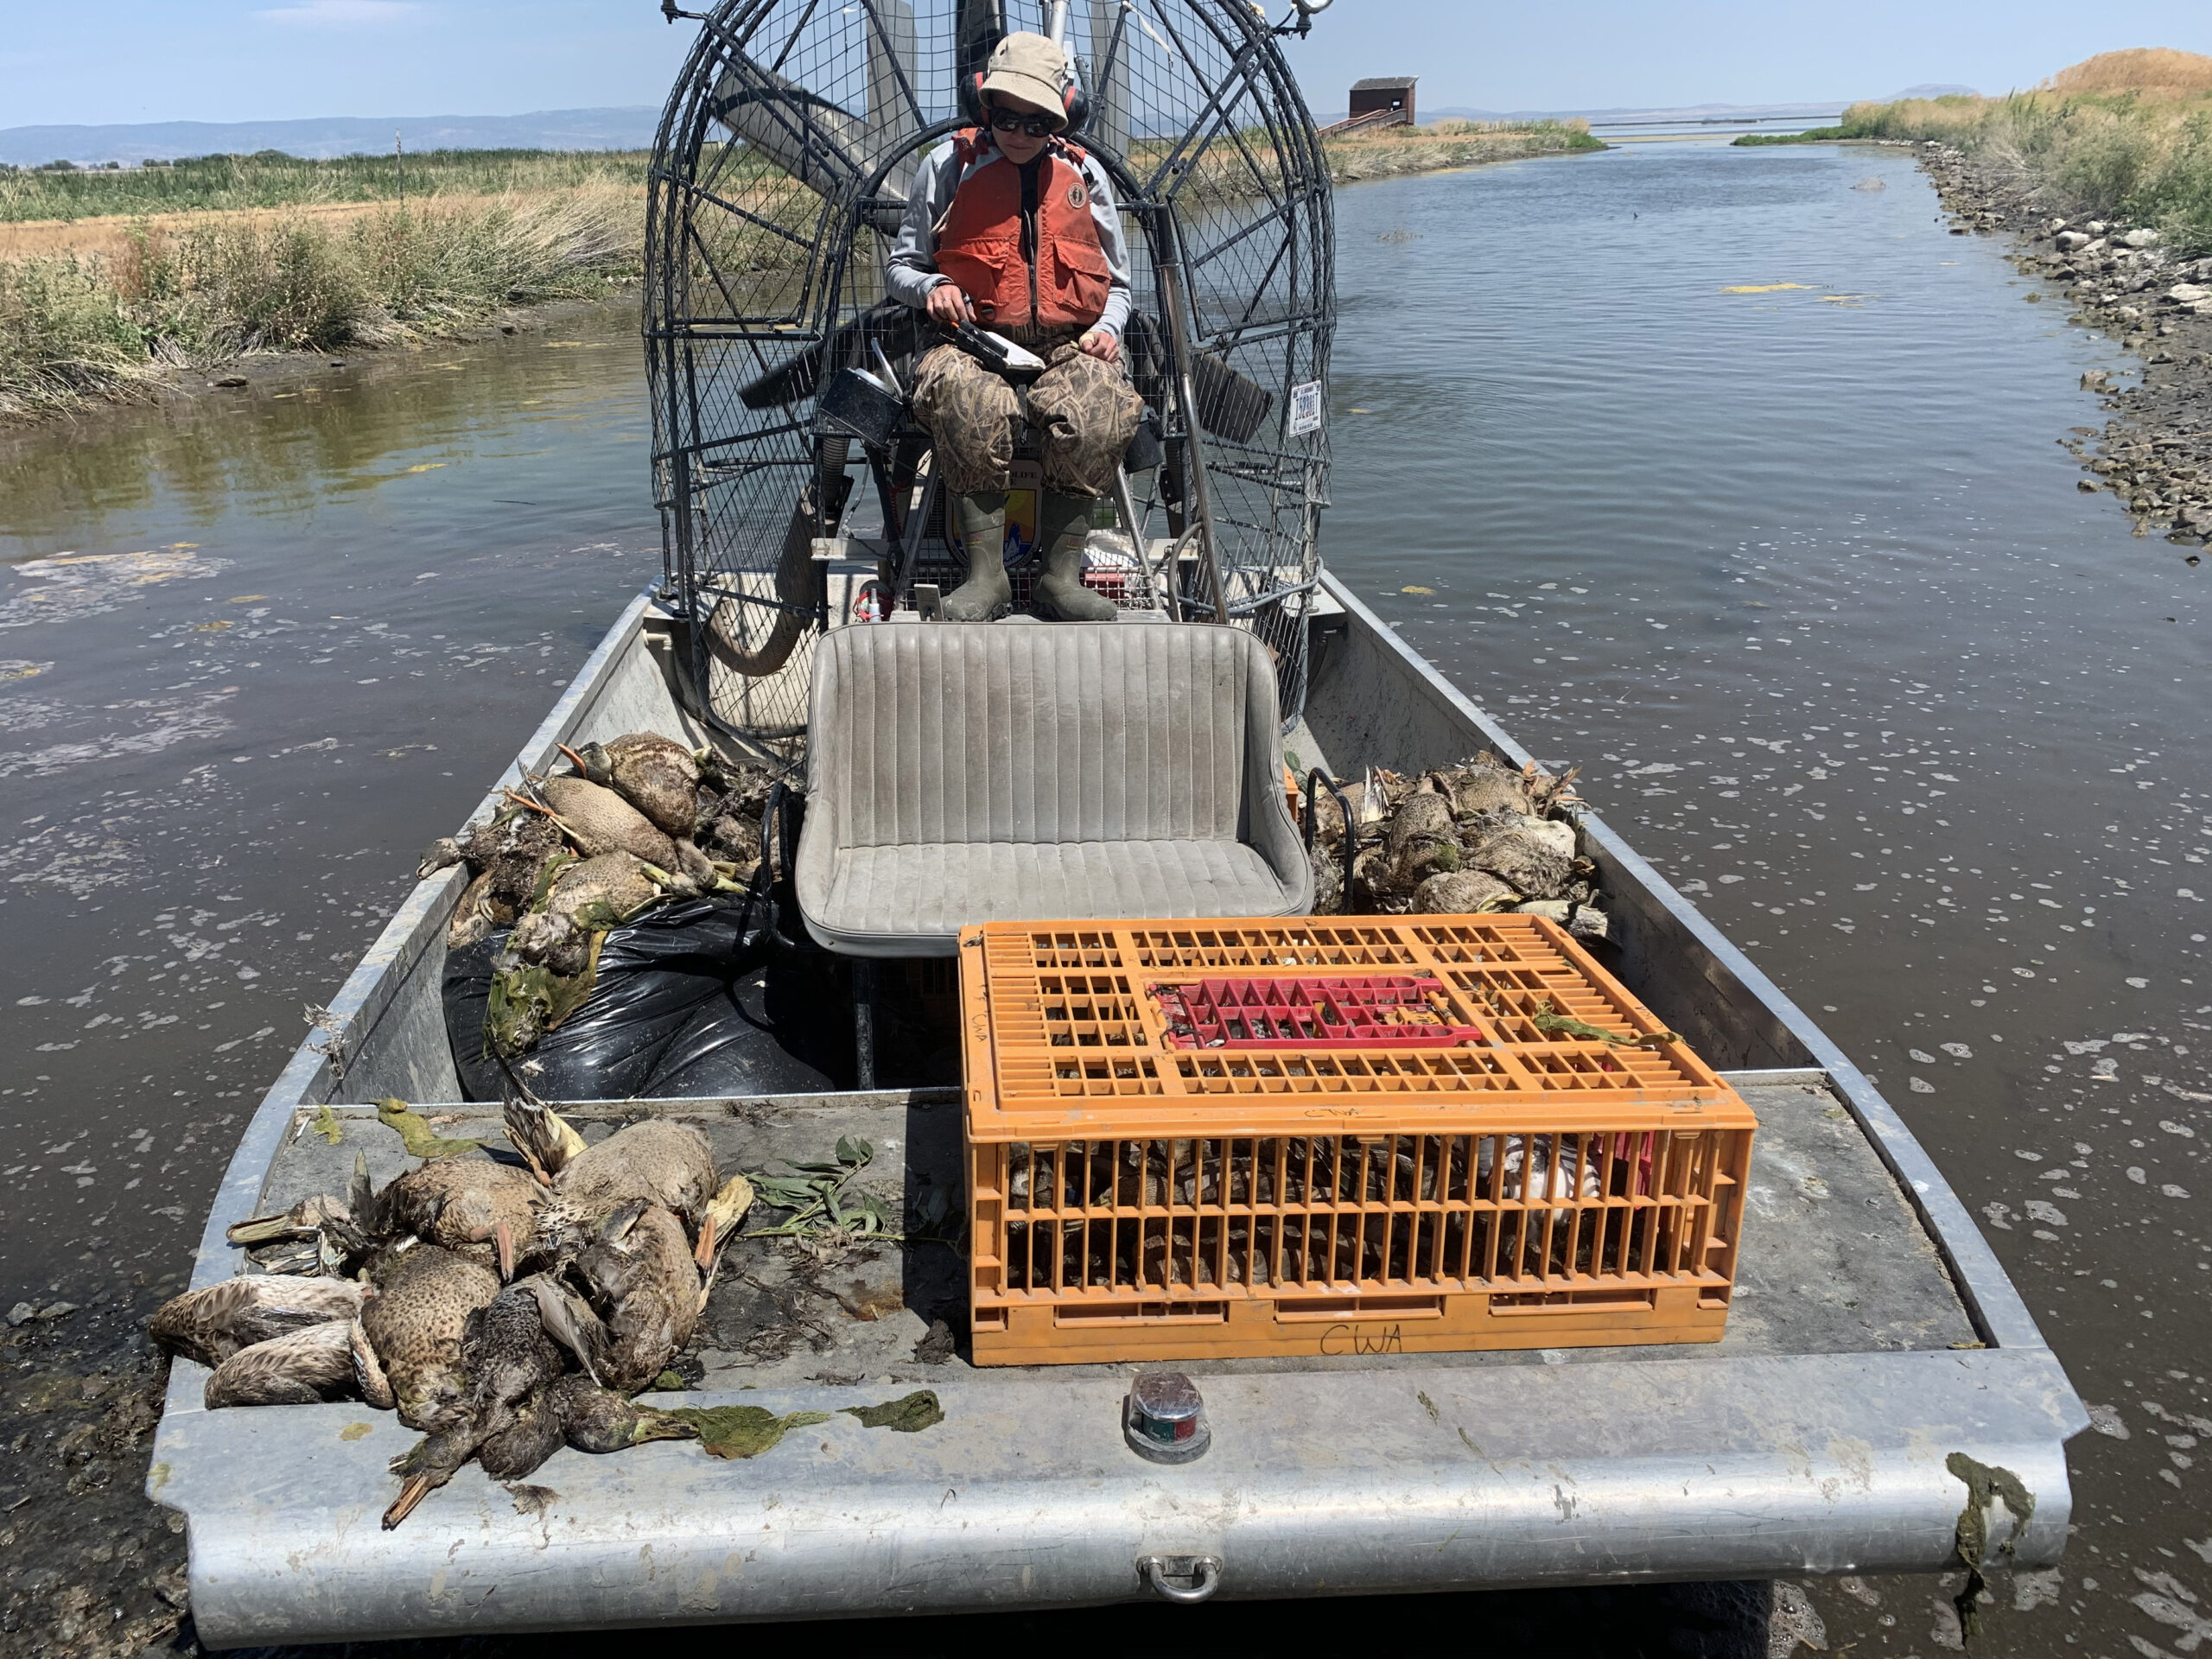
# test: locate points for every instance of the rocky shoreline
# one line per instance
(2155, 454)
(94, 1569)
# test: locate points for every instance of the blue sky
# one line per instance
(129, 60)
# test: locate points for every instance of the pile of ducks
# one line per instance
(1477, 836)
(503, 1311)
(571, 856)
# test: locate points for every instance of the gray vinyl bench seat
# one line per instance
(964, 772)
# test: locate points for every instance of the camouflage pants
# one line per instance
(1084, 412)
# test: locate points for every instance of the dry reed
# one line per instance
(2124, 135)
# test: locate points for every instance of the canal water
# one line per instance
(1729, 474)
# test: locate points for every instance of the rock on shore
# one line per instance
(2155, 454)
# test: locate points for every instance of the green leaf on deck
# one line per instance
(916, 1412)
(327, 1125)
(743, 1431)
(415, 1134)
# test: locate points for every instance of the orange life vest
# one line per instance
(979, 241)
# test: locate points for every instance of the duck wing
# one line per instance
(301, 1368)
(213, 1323)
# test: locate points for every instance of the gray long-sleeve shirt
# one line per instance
(911, 272)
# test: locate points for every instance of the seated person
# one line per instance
(1011, 227)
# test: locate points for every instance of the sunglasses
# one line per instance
(1037, 126)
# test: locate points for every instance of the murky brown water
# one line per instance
(253, 652)
(1799, 574)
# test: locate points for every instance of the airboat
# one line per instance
(1882, 1400)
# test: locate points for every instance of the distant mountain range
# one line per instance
(164, 141)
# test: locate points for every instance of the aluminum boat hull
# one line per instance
(1326, 1478)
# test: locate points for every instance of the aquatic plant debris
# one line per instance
(909, 1414)
(1552, 1023)
(1984, 1481)
(415, 1132)
(743, 1431)
(818, 1201)
(328, 1126)
(1763, 288)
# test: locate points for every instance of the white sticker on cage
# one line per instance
(1305, 409)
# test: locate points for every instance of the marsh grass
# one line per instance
(264, 271)
(77, 325)
(2091, 143)
(272, 179)
(1451, 143)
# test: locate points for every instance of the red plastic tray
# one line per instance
(1365, 1011)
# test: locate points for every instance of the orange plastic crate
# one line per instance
(1131, 1198)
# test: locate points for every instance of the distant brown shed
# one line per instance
(1384, 92)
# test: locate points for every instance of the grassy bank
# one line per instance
(162, 269)
(271, 179)
(75, 326)
(1450, 143)
(2124, 135)
(1810, 135)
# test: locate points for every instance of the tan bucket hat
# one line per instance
(1029, 67)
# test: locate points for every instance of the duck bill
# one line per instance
(266, 1230)
(658, 1426)
(417, 1488)
(704, 1254)
(503, 1245)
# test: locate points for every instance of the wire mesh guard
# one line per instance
(778, 177)
(1503, 1187)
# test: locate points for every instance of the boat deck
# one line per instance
(1834, 1261)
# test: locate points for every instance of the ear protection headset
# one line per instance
(1075, 103)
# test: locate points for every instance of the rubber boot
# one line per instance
(1063, 527)
(986, 594)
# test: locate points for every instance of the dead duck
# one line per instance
(656, 1161)
(1421, 841)
(301, 1368)
(333, 1232)
(1535, 856)
(213, 1323)
(656, 774)
(668, 1163)
(415, 1323)
(645, 1285)
(508, 854)
(504, 1358)
(1462, 892)
(1484, 787)
(578, 1412)
(484, 1210)
(718, 1221)
(585, 898)
(318, 1235)
(598, 820)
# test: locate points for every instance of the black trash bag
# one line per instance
(784, 1028)
(656, 975)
